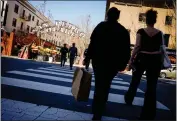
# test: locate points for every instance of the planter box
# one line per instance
(46, 58)
(40, 58)
(50, 59)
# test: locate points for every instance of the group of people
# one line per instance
(71, 53)
(109, 50)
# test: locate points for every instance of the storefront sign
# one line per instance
(61, 26)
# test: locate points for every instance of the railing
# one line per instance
(24, 17)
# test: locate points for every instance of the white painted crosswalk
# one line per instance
(64, 75)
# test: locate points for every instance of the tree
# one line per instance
(86, 26)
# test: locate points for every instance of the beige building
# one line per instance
(132, 16)
(20, 15)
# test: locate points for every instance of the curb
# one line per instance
(16, 57)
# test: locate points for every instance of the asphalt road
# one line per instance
(49, 84)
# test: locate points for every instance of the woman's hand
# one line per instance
(130, 62)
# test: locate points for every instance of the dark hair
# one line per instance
(113, 14)
(151, 16)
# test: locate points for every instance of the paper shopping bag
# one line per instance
(81, 84)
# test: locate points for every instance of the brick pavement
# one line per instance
(17, 110)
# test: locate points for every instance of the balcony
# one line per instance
(24, 17)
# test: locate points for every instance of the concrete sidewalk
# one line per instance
(17, 110)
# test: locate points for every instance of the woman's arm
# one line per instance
(137, 47)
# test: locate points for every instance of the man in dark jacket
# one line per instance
(88, 62)
(109, 50)
(72, 55)
(64, 51)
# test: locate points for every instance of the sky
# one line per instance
(75, 11)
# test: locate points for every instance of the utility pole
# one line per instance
(44, 7)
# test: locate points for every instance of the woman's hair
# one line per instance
(151, 16)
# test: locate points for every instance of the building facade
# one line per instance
(22, 16)
(132, 16)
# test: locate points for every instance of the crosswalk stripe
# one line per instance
(69, 75)
(116, 98)
(65, 69)
(56, 70)
(71, 71)
(63, 79)
(60, 68)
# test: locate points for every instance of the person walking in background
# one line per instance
(2, 33)
(88, 62)
(146, 56)
(72, 55)
(64, 52)
(109, 50)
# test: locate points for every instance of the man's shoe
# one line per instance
(127, 101)
(96, 118)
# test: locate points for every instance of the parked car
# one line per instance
(168, 73)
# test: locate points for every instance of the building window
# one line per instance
(33, 18)
(28, 27)
(14, 22)
(31, 29)
(5, 15)
(37, 22)
(166, 39)
(29, 17)
(2, 8)
(142, 17)
(14, 30)
(16, 8)
(21, 26)
(168, 20)
(23, 14)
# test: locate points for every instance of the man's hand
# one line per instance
(130, 65)
(83, 62)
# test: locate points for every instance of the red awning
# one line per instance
(48, 44)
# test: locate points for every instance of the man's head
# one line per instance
(113, 14)
(64, 45)
(73, 44)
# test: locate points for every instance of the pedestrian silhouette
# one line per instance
(88, 62)
(64, 52)
(146, 56)
(109, 50)
(72, 55)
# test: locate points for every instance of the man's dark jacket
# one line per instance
(109, 47)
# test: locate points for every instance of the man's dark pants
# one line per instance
(71, 62)
(103, 79)
(63, 60)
